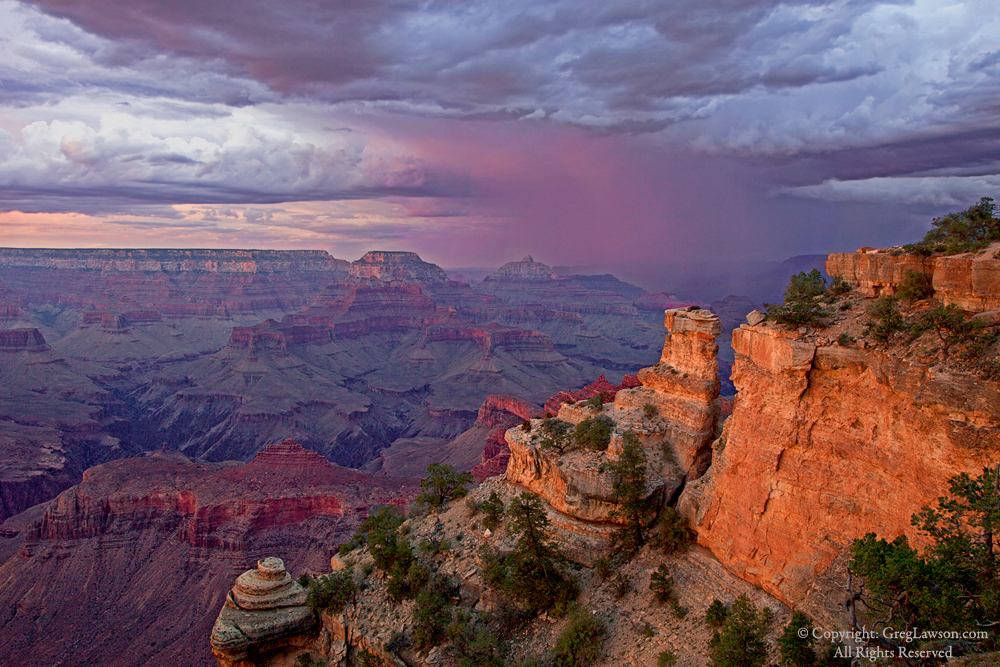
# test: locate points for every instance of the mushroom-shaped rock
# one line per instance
(266, 609)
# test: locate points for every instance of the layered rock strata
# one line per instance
(264, 612)
(971, 281)
(673, 414)
(164, 538)
(827, 443)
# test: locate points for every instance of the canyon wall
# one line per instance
(131, 566)
(971, 281)
(673, 411)
(830, 441)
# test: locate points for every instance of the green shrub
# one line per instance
(915, 287)
(622, 586)
(406, 578)
(432, 547)
(333, 591)
(803, 302)
(492, 511)
(603, 568)
(971, 229)
(398, 641)
(555, 434)
(594, 403)
(662, 584)
(594, 433)
(840, 287)
(432, 612)
(579, 644)
(628, 481)
(884, 320)
(533, 573)
(716, 614)
(845, 339)
(666, 659)
(796, 650)
(649, 410)
(949, 324)
(671, 533)
(442, 485)
(741, 643)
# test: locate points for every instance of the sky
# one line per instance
(647, 138)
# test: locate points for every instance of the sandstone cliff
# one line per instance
(829, 441)
(971, 281)
(673, 413)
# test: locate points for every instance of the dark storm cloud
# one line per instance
(793, 112)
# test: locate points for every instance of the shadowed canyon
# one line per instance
(169, 418)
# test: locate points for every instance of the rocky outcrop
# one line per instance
(827, 443)
(675, 431)
(406, 266)
(526, 269)
(684, 387)
(164, 538)
(264, 612)
(599, 387)
(22, 340)
(971, 281)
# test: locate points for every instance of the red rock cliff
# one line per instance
(827, 443)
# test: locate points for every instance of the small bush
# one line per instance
(949, 324)
(971, 229)
(796, 650)
(555, 434)
(915, 287)
(649, 410)
(526, 426)
(840, 287)
(406, 578)
(432, 547)
(432, 613)
(442, 485)
(333, 591)
(398, 641)
(741, 643)
(662, 584)
(671, 533)
(603, 568)
(802, 304)
(647, 631)
(594, 433)
(677, 609)
(845, 339)
(666, 659)
(884, 321)
(493, 510)
(594, 403)
(622, 586)
(715, 615)
(579, 644)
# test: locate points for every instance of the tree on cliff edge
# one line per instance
(955, 583)
(442, 484)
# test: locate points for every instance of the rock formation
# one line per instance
(971, 281)
(676, 431)
(164, 538)
(828, 442)
(264, 612)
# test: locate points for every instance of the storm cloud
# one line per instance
(723, 128)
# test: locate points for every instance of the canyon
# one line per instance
(107, 354)
(130, 566)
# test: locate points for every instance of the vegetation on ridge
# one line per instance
(964, 231)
